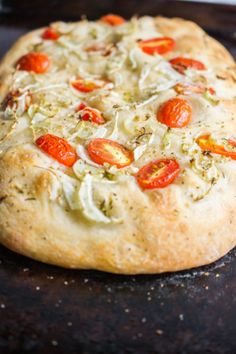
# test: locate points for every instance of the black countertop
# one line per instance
(45, 309)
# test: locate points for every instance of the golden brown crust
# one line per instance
(163, 230)
(176, 236)
(194, 42)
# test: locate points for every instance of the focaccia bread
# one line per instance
(118, 146)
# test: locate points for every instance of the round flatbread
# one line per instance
(118, 146)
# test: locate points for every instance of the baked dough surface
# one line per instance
(54, 214)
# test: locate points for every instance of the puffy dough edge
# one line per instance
(187, 243)
(153, 239)
(9, 59)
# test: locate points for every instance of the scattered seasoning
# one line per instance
(86, 280)
(66, 282)
(127, 310)
(221, 77)
(54, 343)
(2, 199)
(25, 269)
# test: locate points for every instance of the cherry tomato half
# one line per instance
(108, 151)
(90, 114)
(113, 20)
(85, 85)
(206, 143)
(58, 148)
(175, 113)
(181, 64)
(160, 45)
(158, 174)
(51, 34)
(34, 61)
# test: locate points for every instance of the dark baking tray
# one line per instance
(45, 309)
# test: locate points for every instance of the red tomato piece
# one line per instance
(51, 34)
(85, 85)
(58, 148)
(175, 113)
(81, 106)
(34, 61)
(160, 45)
(232, 142)
(211, 91)
(108, 151)
(113, 20)
(158, 174)
(181, 64)
(90, 114)
(206, 143)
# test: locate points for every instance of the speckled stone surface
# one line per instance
(44, 309)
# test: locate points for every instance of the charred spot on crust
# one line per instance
(2, 198)
(10, 99)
